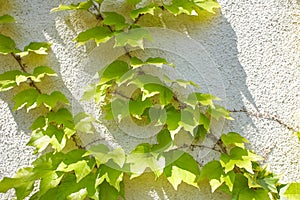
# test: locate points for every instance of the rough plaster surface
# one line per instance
(251, 52)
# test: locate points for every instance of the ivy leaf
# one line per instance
(7, 45)
(51, 101)
(292, 192)
(81, 168)
(173, 118)
(182, 168)
(108, 192)
(218, 111)
(164, 141)
(114, 71)
(22, 182)
(6, 19)
(114, 19)
(134, 38)
(212, 171)
(84, 123)
(26, 98)
(142, 11)
(142, 158)
(234, 139)
(99, 34)
(151, 89)
(79, 6)
(200, 133)
(8, 80)
(63, 190)
(138, 106)
(40, 72)
(40, 48)
(208, 5)
(112, 174)
(61, 117)
(203, 99)
(39, 141)
(187, 120)
(102, 154)
(239, 157)
(182, 7)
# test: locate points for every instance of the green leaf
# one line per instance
(23, 182)
(292, 192)
(61, 117)
(182, 7)
(234, 139)
(203, 99)
(239, 157)
(142, 158)
(208, 5)
(164, 141)
(108, 192)
(218, 111)
(6, 19)
(40, 48)
(114, 19)
(134, 37)
(81, 168)
(112, 174)
(7, 45)
(151, 89)
(114, 71)
(99, 34)
(138, 106)
(173, 118)
(200, 133)
(142, 11)
(51, 101)
(84, 123)
(182, 168)
(8, 80)
(203, 120)
(102, 154)
(40, 72)
(79, 6)
(26, 98)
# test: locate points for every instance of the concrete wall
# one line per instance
(250, 49)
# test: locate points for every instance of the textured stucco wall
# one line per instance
(250, 50)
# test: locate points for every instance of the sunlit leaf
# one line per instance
(114, 19)
(8, 80)
(142, 11)
(99, 34)
(182, 168)
(26, 98)
(234, 139)
(79, 6)
(208, 5)
(6, 19)
(35, 47)
(51, 101)
(7, 45)
(134, 37)
(293, 191)
(114, 71)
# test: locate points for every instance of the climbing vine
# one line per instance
(65, 169)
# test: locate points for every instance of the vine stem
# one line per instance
(32, 84)
(266, 116)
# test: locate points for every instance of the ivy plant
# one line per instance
(65, 169)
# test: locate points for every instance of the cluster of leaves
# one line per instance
(66, 170)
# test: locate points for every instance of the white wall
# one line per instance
(250, 49)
